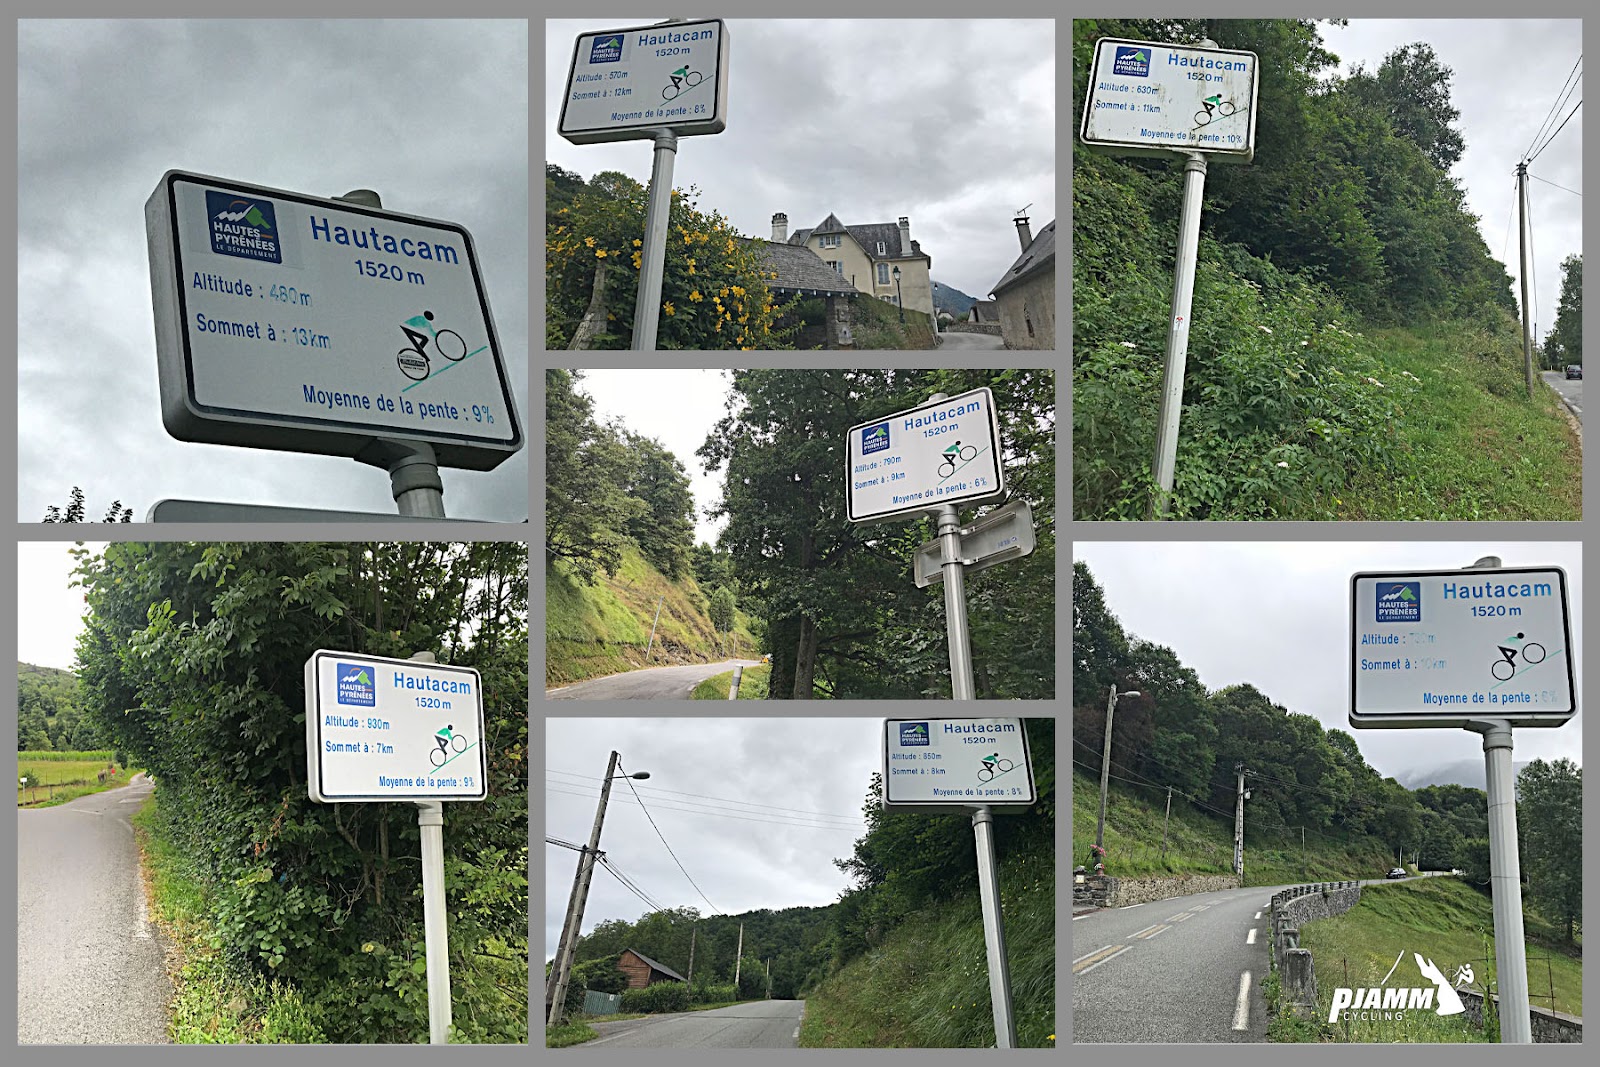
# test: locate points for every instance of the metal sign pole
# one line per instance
(994, 934)
(413, 467)
(955, 595)
(1194, 183)
(435, 933)
(647, 308)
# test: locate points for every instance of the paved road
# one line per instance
(971, 342)
(1571, 390)
(760, 1024)
(90, 965)
(654, 683)
(1177, 970)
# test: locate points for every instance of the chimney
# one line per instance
(780, 228)
(1024, 234)
(905, 236)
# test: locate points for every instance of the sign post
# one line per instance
(656, 83)
(380, 729)
(929, 459)
(1486, 648)
(981, 766)
(1194, 102)
(328, 326)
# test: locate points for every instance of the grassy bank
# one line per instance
(1446, 921)
(752, 685)
(1202, 844)
(927, 984)
(600, 629)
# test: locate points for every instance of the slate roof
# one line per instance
(986, 311)
(1041, 255)
(654, 966)
(800, 270)
(867, 235)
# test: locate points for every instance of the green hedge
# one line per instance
(661, 997)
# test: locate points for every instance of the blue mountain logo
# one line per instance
(913, 733)
(355, 685)
(1131, 62)
(1399, 602)
(875, 438)
(243, 227)
(606, 49)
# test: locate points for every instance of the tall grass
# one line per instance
(34, 756)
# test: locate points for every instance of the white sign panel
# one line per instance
(956, 764)
(943, 452)
(1149, 98)
(311, 325)
(393, 729)
(1438, 648)
(1002, 535)
(626, 84)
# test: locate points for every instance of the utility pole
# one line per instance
(651, 645)
(769, 978)
(1522, 253)
(1305, 864)
(1238, 825)
(1164, 819)
(695, 929)
(738, 958)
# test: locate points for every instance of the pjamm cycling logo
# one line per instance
(246, 227)
(1399, 602)
(607, 49)
(913, 733)
(1386, 1003)
(356, 685)
(874, 438)
(1134, 62)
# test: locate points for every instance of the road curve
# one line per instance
(1569, 389)
(759, 1024)
(90, 963)
(653, 683)
(971, 342)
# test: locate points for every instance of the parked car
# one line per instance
(1396, 872)
(1574, 370)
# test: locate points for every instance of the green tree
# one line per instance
(1411, 88)
(1550, 829)
(587, 510)
(663, 527)
(1564, 343)
(723, 607)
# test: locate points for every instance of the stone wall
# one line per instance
(1121, 892)
(1293, 908)
(1549, 1027)
(991, 328)
(1028, 312)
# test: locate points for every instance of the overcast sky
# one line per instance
(1277, 615)
(49, 614)
(788, 792)
(432, 115)
(1499, 116)
(951, 123)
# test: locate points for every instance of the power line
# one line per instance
(1563, 188)
(1559, 128)
(629, 884)
(1567, 87)
(668, 847)
(702, 796)
(550, 787)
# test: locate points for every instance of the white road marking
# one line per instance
(563, 689)
(1147, 930)
(797, 1033)
(1258, 915)
(1085, 915)
(1086, 955)
(1241, 1013)
(1098, 962)
(1252, 938)
(1130, 907)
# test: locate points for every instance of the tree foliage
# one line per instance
(192, 660)
(1550, 833)
(76, 509)
(1564, 343)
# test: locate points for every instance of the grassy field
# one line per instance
(1475, 446)
(1446, 921)
(752, 685)
(927, 985)
(1198, 843)
(57, 777)
(600, 629)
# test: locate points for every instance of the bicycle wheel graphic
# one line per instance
(671, 92)
(1226, 108)
(693, 78)
(986, 773)
(969, 453)
(1005, 765)
(449, 344)
(1202, 117)
(458, 743)
(1533, 652)
(1502, 669)
(947, 468)
(413, 364)
(436, 757)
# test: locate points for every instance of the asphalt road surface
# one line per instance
(759, 1024)
(1184, 969)
(971, 342)
(654, 683)
(1571, 390)
(90, 964)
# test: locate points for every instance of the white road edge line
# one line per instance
(1086, 955)
(1085, 915)
(1241, 1013)
(797, 1033)
(1252, 938)
(1159, 931)
(563, 689)
(1130, 907)
(1258, 915)
(1096, 963)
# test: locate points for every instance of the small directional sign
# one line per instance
(1002, 535)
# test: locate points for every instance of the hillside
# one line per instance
(599, 629)
(949, 298)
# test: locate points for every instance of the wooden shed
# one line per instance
(643, 971)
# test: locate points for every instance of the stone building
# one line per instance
(866, 255)
(1026, 296)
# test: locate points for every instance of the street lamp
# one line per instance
(568, 947)
(898, 299)
(1105, 764)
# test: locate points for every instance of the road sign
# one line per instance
(1440, 648)
(393, 729)
(304, 324)
(1002, 535)
(207, 511)
(1146, 98)
(954, 765)
(941, 452)
(629, 84)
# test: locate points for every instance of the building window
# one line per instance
(830, 240)
(881, 248)
(838, 268)
(883, 274)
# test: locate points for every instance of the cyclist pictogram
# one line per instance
(1503, 668)
(447, 739)
(682, 78)
(1213, 103)
(948, 466)
(414, 362)
(992, 765)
